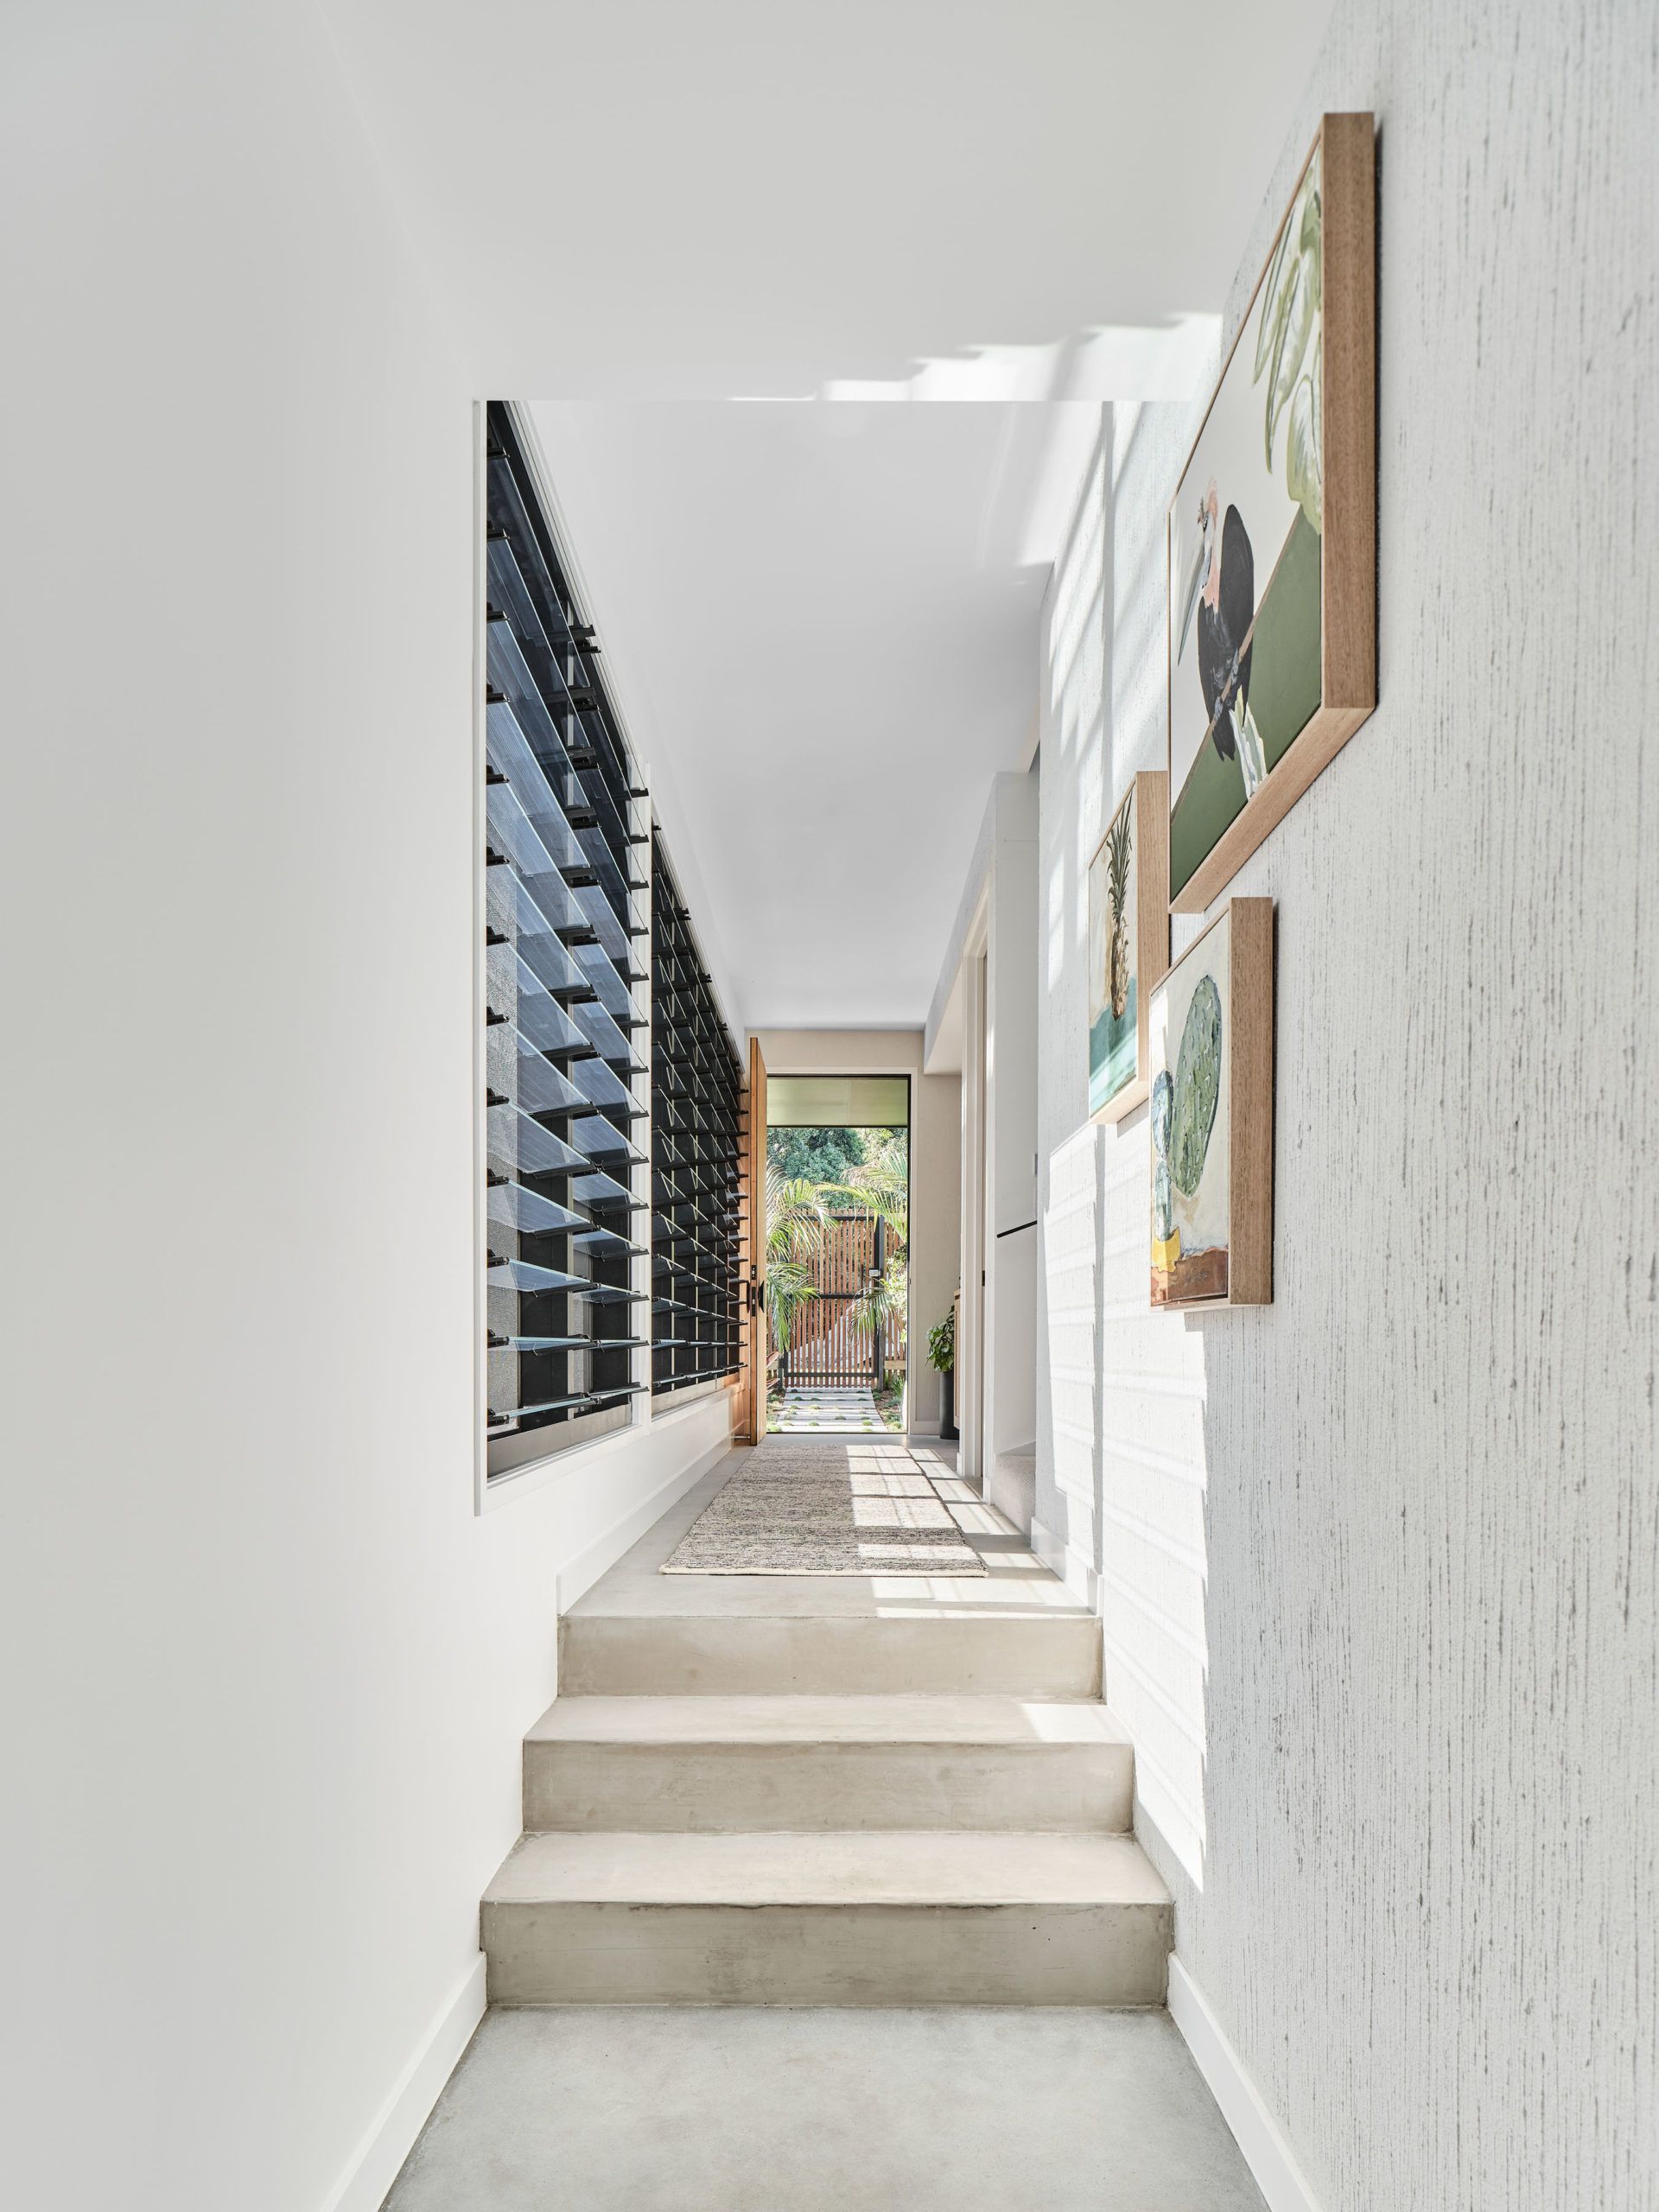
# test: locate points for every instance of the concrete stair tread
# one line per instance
(1005, 1722)
(892, 1866)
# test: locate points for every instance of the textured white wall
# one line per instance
(264, 1671)
(1378, 1562)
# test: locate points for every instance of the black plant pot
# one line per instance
(948, 1406)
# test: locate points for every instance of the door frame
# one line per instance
(749, 1408)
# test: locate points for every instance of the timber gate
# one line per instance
(831, 1346)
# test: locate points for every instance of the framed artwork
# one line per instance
(1211, 1026)
(1271, 538)
(1129, 944)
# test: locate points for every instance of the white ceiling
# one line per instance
(711, 198)
(822, 622)
(822, 613)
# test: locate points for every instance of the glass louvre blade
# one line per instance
(518, 1146)
(527, 788)
(609, 926)
(534, 850)
(541, 1406)
(601, 1085)
(561, 738)
(510, 674)
(513, 914)
(540, 1087)
(524, 1274)
(511, 593)
(518, 995)
(515, 1207)
(525, 588)
(601, 1140)
(548, 653)
(609, 1243)
(607, 984)
(597, 1190)
(606, 1039)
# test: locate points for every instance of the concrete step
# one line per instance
(868, 1918)
(928, 1651)
(732, 1764)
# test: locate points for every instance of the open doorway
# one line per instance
(837, 1252)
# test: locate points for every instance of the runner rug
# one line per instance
(800, 1506)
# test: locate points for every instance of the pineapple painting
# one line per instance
(1129, 944)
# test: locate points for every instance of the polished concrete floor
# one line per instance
(584, 2109)
(1016, 1583)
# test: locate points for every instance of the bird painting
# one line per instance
(1221, 590)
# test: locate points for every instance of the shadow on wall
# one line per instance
(1152, 1537)
(1126, 1389)
(1128, 1395)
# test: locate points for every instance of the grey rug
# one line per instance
(864, 1506)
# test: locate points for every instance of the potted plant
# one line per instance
(942, 1352)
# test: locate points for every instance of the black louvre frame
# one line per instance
(564, 928)
(696, 1103)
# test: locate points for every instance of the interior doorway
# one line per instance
(838, 1251)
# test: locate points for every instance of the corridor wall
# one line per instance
(266, 1669)
(1376, 1563)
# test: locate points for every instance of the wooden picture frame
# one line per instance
(1286, 608)
(1128, 943)
(1212, 1122)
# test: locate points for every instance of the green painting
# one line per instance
(1244, 556)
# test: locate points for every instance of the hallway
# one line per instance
(928, 723)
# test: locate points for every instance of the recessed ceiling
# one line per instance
(822, 625)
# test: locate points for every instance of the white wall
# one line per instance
(935, 1153)
(265, 1672)
(1379, 1560)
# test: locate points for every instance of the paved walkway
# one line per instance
(816, 1410)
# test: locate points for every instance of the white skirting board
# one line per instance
(578, 1575)
(1267, 2154)
(1079, 1576)
(374, 2166)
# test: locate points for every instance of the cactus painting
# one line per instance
(1212, 1022)
(1129, 944)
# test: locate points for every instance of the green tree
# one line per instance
(813, 1155)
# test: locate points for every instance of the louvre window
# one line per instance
(566, 901)
(696, 1106)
